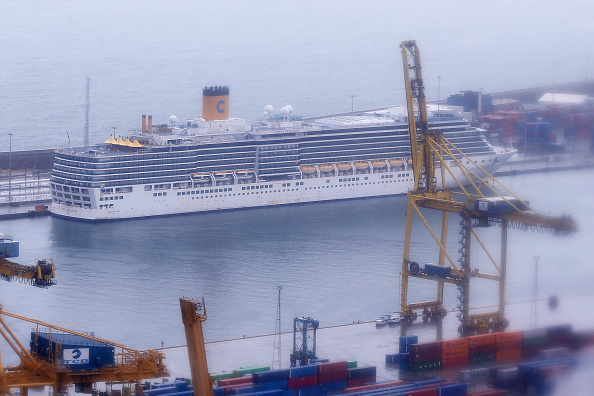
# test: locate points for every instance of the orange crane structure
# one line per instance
(193, 314)
(55, 363)
(41, 274)
(476, 200)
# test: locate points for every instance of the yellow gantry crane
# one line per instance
(50, 365)
(193, 314)
(41, 274)
(437, 163)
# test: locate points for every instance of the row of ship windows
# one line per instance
(68, 196)
(75, 190)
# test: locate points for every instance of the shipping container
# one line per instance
(236, 381)
(303, 371)
(314, 390)
(422, 392)
(511, 354)
(299, 382)
(473, 374)
(480, 340)
(270, 376)
(454, 362)
(75, 353)
(405, 342)
(387, 384)
(424, 366)
(437, 270)
(250, 370)
(335, 386)
(361, 372)
(425, 352)
(459, 389)
(222, 376)
(357, 389)
(332, 372)
(392, 358)
(360, 381)
(351, 364)
(241, 390)
(481, 358)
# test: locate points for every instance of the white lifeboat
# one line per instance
(396, 162)
(379, 164)
(361, 165)
(344, 166)
(326, 168)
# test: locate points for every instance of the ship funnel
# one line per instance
(143, 123)
(215, 103)
(150, 124)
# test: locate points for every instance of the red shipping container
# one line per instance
(426, 352)
(488, 392)
(423, 392)
(454, 353)
(247, 380)
(454, 362)
(513, 354)
(456, 343)
(505, 336)
(483, 339)
(359, 381)
(332, 372)
(508, 345)
(356, 389)
(552, 371)
(388, 384)
(302, 381)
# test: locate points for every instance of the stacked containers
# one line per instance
(360, 376)
(302, 377)
(508, 345)
(559, 335)
(273, 379)
(332, 376)
(404, 349)
(481, 348)
(426, 356)
(454, 353)
(533, 341)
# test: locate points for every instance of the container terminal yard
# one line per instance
(400, 354)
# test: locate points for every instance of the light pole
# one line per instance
(9, 167)
(438, 90)
(554, 67)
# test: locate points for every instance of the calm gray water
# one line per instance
(338, 262)
(154, 57)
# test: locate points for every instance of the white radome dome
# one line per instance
(173, 119)
(284, 111)
(268, 109)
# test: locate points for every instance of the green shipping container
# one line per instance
(351, 364)
(481, 358)
(250, 370)
(220, 376)
(424, 366)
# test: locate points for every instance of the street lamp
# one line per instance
(9, 167)
(438, 90)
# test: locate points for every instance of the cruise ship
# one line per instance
(219, 163)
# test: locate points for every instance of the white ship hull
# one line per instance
(139, 201)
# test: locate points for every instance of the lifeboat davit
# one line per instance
(308, 169)
(326, 168)
(344, 166)
(222, 175)
(378, 164)
(244, 173)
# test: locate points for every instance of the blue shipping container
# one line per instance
(459, 389)
(303, 371)
(334, 386)
(273, 385)
(270, 376)
(314, 390)
(361, 372)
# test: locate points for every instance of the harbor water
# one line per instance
(337, 262)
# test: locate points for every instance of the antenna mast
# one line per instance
(87, 109)
(276, 354)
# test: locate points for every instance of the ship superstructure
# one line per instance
(218, 163)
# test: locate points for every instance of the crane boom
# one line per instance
(193, 314)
